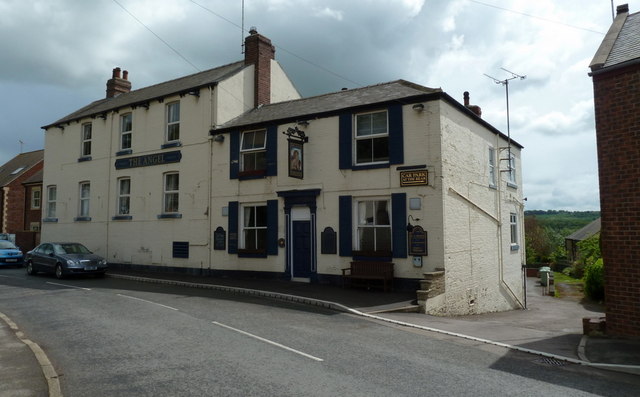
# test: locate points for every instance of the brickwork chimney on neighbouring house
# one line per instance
(117, 85)
(474, 108)
(259, 51)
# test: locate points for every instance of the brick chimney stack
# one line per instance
(118, 85)
(474, 108)
(259, 51)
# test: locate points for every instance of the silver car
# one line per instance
(64, 259)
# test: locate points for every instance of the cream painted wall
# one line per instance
(482, 274)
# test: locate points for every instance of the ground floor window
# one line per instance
(373, 226)
(254, 228)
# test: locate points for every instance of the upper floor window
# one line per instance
(86, 139)
(124, 196)
(173, 121)
(513, 223)
(253, 151)
(36, 197)
(85, 197)
(254, 228)
(171, 193)
(492, 166)
(512, 169)
(52, 193)
(373, 226)
(371, 138)
(126, 126)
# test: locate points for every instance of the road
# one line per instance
(111, 337)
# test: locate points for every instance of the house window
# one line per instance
(171, 192)
(253, 224)
(512, 169)
(52, 193)
(372, 138)
(85, 193)
(492, 167)
(373, 232)
(126, 125)
(86, 139)
(36, 198)
(253, 151)
(173, 121)
(513, 223)
(124, 196)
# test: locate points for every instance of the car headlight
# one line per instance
(102, 262)
(71, 262)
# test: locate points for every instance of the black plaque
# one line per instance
(328, 241)
(219, 239)
(418, 242)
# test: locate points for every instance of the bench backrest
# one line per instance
(366, 268)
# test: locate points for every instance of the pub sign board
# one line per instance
(149, 160)
(414, 178)
(418, 242)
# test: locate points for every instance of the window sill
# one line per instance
(84, 158)
(82, 219)
(171, 144)
(124, 152)
(242, 253)
(515, 247)
(512, 185)
(253, 174)
(49, 220)
(121, 218)
(358, 167)
(170, 216)
(492, 186)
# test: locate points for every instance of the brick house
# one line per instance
(21, 197)
(615, 70)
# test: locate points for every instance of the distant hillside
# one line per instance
(564, 222)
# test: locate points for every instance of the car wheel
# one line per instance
(30, 270)
(59, 272)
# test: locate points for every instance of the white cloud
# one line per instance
(329, 13)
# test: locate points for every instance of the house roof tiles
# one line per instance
(158, 91)
(18, 165)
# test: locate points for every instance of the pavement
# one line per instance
(550, 327)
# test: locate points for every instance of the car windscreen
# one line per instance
(4, 244)
(74, 249)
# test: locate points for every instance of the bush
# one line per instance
(594, 280)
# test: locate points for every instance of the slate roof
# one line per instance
(305, 108)
(627, 45)
(35, 178)
(586, 232)
(621, 45)
(18, 165)
(146, 94)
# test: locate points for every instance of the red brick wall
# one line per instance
(617, 111)
(14, 202)
(260, 52)
(32, 215)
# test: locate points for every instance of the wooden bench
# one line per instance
(362, 272)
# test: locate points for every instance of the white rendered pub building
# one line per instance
(230, 172)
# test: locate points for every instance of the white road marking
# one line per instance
(268, 341)
(70, 286)
(144, 300)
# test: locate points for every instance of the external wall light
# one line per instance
(418, 107)
(409, 225)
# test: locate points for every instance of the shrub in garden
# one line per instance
(594, 280)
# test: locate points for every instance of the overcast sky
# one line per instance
(58, 54)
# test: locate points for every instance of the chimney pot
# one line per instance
(466, 98)
(117, 85)
(253, 30)
(623, 8)
(125, 75)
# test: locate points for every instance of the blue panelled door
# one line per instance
(301, 249)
